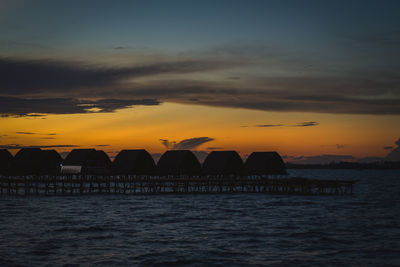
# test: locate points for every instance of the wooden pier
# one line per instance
(63, 185)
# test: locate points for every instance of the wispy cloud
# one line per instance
(268, 125)
(191, 143)
(306, 124)
(394, 155)
(12, 106)
(214, 148)
(24, 133)
(18, 146)
(50, 75)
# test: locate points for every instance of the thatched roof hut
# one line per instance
(51, 162)
(222, 163)
(27, 161)
(260, 163)
(137, 161)
(178, 162)
(36, 161)
(87, 161)
(6, 160)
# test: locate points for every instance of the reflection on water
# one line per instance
(214, 230)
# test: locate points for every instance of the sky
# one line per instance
(312, 80)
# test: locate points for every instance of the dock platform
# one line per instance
(54, 185)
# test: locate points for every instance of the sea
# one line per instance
(362, 229)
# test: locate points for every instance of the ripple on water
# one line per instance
(211, 230)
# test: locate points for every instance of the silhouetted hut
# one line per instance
(28, 161)
(6, 160)
(137, 161)
(51, 162)
(86, 161)
(223, 163)
(265, 163)
(178, 162)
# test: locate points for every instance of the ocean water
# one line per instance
(209, 230)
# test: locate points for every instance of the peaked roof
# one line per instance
(176, 162)
(28, 156)
(79, 157)
(223, 162)
(265, 163)
(91, 161)
(36, 161)
(137, 161)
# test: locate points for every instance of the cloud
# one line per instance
(339, 146)
(31, 76)
(12, 106)
(186, 144)
(120, 47)
(394, 155)
(268, 125)
(32, 85)
(214, 148)
(17, 146)
(24, 133)
(168, 144)
(388, 147)
(306, 124)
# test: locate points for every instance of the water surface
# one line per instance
(213, 230)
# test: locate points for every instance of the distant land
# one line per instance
(386, 165)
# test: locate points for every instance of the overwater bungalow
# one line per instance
(86, 161)
(27, 161)
(51, 162)
(137, 162)
(265, 163)
(36, 161)
(222, 163)
(6, 160)
(178, 162)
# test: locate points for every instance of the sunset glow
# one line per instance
(262, 77)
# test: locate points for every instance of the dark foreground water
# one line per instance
(209, 230)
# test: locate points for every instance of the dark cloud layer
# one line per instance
(37, 87)
(30, 76)
(191, 143)
(12, 106)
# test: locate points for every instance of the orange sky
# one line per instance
(231, 129)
